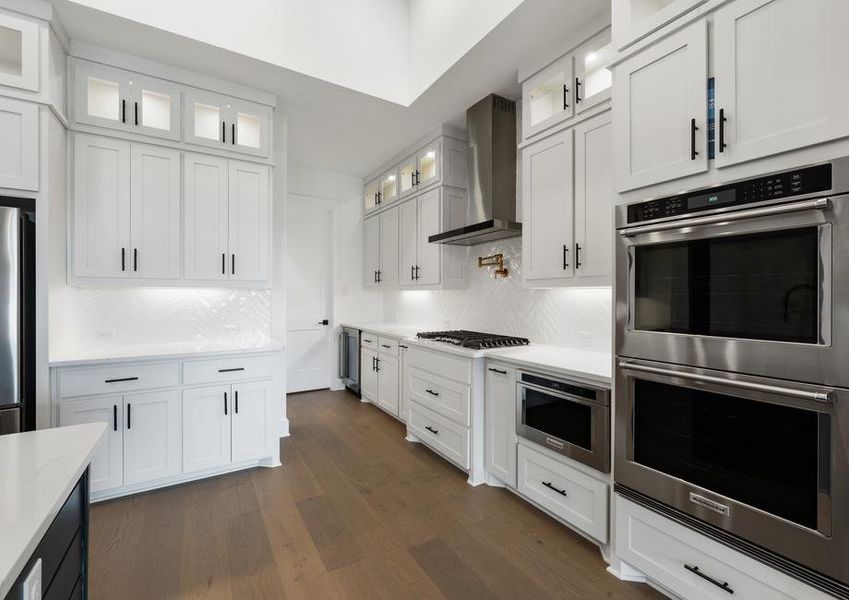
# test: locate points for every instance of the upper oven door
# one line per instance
(748, 291)
(763, 459)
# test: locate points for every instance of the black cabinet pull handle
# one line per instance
(120, 379)
(223, 263)
(413, 179)
(417, 273)
(565, 250)
(233, 140)
(418, 177)
(577, 255)
(722, 120)
(377, 364)
(137, 112)
(551, 487)
(432, 393)
(123, 111)
(367, 341)
(379, 276)
(693, 129)
(135, 259)
(565, 97)
(236, 394)
(380, 197)
(432, 430)
(225, 404)
(232, 264)
(223, 132)
(723, 585)
(231, 370)
(499, 371)
(129, 416)
(375, 276)
(114, 417)
(412, 273)
(402, 346)
(386, 346)
(577, 90)
(123, 259)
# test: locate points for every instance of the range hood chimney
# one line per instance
(491, 172)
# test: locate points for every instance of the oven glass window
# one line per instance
(558, 417)
(761, 454)
(756, 286)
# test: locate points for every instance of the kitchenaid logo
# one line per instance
(710, 504)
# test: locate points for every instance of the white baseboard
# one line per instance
(626, 572)
(283, 428)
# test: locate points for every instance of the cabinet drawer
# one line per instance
(90, 381)
(669, 553)
(444, 364)
(387, 346)
(570, 494)
(368, 340)
(447, 438)
(443, 396)
(237, 368)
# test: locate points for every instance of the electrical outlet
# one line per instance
(231, 328)
(585, 338)
(32, 584)
(106, 334)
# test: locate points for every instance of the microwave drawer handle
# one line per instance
(766, 211)
(746, 385)
(550, 486)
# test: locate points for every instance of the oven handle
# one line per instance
(766, 211)
(569, 397)
(758, 387)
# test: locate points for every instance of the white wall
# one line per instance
(577, 318)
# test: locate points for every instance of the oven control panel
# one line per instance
(782, 185)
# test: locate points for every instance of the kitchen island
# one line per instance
(44, 509)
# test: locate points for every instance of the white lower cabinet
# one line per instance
(368, 375)
(446, 437)
(694, 566)
(151, 436)
(572, 495)
(387, 384)
(379, 372)
(403, 396)
(107, 464)
(500, 422)
(161, 435)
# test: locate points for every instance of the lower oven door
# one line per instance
(575, 427)
(762, 459)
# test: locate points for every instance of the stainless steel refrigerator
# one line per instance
(17, 315)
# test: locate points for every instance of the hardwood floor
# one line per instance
(354, 512)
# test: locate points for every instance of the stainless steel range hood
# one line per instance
(491, 171)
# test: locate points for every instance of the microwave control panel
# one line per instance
(799, 182)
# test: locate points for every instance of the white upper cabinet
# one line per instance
(117, 99)
(428, 268)
(635, 19)
(19, 52)
(227, 123)
(371, 251)
(407, 172)
(388, 190)
(370, 192)
(547, 206)
(18, 144)
(594, 195)
(428, 168)
(205, 199)
(155, 212)
(780, 73)
(548, 97)
(101, 215)
(660, 113)
(248, 221)
(387, 273)
(593, 78)
(408, 242)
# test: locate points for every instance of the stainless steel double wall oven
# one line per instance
(732, 384)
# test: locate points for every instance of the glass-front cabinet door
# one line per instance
(593, 78)
(101, 96)
(19, 52)
(227, 123)
(156, 107)
(370, 195)
(388, 187)
(204, 117)
(428, 165)
(407, 172)
(548, 97)
(250, 126)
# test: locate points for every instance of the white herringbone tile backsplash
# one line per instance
(579, 318)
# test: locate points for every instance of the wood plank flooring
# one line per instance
(354, 512)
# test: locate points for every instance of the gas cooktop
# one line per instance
(473, 339)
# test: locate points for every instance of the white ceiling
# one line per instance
(351, 125)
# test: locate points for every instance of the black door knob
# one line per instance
(324, 322)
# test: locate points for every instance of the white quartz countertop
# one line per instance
(120, 353)
(590, 365)
(38, 470)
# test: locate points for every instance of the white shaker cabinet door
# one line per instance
(18, 144)
(660, 113)
(388, 270)
(107, 465)
(251, 403)
(249, 221)
(781, 79)
(371, 251)
(152, 434)
(547, 205)
(428, 271)
(206, 217)
(101, 242)
(206, 427)
(594, 199)
(387, 384)
(368, 375)
(155, 222)
(500, 423)
(408, 242)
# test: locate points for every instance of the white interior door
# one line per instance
(308, 306)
